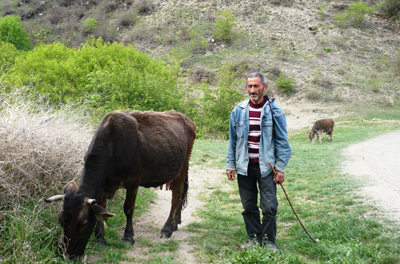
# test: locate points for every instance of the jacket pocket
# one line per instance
(266, 125)
(240, 129)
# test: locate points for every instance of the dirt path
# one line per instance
(148, 225)
(375, 162)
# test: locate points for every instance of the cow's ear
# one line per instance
(100, 212)
(70, 187)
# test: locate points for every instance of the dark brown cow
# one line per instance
(128, 150)
(320, 126)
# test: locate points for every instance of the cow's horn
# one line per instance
(55, 198)
(91, 201)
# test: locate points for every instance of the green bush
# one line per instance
(285, 85)
(224, 24)
(212, 110)
(8, 53)
(90, 25)
(12, 31)
(110, 76)
(353, 16)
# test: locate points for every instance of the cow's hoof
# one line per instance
(128, 240)
(166, 234)
(99, 241)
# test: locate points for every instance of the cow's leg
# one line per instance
(99, 230)
(179, 192)
(319, 135)
(129, 208)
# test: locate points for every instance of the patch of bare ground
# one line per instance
(147, 227)
(374, 162)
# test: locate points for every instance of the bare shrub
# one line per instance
(243, 64)
(385, 102)
(127, 18)
(282, 2)
(313, 95)
(201, 73)
(107, 32)
(274, 72)
(41, 148)
(145, 6)
(185, 35)
(396, 63)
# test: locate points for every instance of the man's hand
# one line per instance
(280, 177)
(230, 174)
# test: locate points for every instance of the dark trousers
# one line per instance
(248, 190)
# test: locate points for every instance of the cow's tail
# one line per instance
(185, 187)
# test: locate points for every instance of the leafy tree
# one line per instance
(12, 31)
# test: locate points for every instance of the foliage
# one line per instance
(110, 76)
(285, 85)
(353, 16)
(90, 25)
(12, 31)
(213, 113)
(8, 53)
(390, 8)
(224, 24)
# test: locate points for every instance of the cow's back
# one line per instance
(324, 125)
(165, 141)
(149, 147)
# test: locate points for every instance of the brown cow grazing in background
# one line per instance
(320, 126)
(128, 150)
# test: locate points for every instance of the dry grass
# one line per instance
(41, 148)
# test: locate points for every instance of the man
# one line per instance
(257, 136)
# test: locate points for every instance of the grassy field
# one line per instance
(350, 231)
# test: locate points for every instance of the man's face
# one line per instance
(255, 89)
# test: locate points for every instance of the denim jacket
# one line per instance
(274, 143)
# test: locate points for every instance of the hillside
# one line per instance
(336, 69)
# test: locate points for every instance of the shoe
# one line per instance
(271, 247)
(252, 242)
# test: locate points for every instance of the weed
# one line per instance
(390, 8)
(90, 25)
(353, 16)
(127, 18)
(145, 6)
(282, 2)
(224, 24)
(313, 94)
(285, 85)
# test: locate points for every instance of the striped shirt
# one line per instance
(255, 130)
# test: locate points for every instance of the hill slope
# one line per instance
(334, 69)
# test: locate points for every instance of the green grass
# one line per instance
(349, 230)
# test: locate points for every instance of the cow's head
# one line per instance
(78, 218)
(310, 136)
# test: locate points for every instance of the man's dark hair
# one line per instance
(259, 75)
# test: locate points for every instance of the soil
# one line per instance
(364, 160)
(373, 162)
